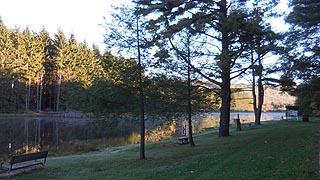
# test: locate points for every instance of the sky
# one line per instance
(83, 18)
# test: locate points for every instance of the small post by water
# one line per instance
(238, 123)
(10, 149)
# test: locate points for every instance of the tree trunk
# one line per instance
(257, 103)
(305, 118)
(58, 91)
(28, 87)
(225, 107)
(254, 94)
(189, 104)
(40, 94)
(224, 64)
(260, 101)
(142, 123)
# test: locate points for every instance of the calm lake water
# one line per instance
(22, 134)
(249, 116)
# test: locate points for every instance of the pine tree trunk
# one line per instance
(40, 94)
(189, 105)
(254, 94)
(257, 103)
(254, 100)
(225, 106)
(28, 87)
(260, 101)
(27, 108)
(142, 123)
(58, 91)
(224, 64)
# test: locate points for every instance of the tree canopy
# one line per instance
(303, 40)
(302, 61)
(220, 28)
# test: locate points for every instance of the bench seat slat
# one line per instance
(28, 157)
(25, 164)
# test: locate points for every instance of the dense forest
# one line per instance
(40, 73)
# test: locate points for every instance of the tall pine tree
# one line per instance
(219, 25)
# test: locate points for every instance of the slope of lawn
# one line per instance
(274, 150)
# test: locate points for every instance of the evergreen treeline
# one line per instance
(40, 73)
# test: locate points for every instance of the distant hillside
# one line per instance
(274, 99)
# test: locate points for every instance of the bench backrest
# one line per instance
(29, 157)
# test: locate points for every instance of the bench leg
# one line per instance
(183, 141)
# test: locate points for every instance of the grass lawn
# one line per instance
(274, 150)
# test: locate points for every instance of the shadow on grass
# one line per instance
(274, 150)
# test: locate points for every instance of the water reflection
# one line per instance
(31, 134)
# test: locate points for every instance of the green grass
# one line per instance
(85, 146)
(277, 150)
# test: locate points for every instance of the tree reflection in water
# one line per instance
(31, 134)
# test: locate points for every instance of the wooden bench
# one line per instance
(183, 140)
(25, 160)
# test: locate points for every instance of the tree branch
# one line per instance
(192, 66)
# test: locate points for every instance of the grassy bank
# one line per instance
(277, 150)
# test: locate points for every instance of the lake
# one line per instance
(249, 116)
(19, 135)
